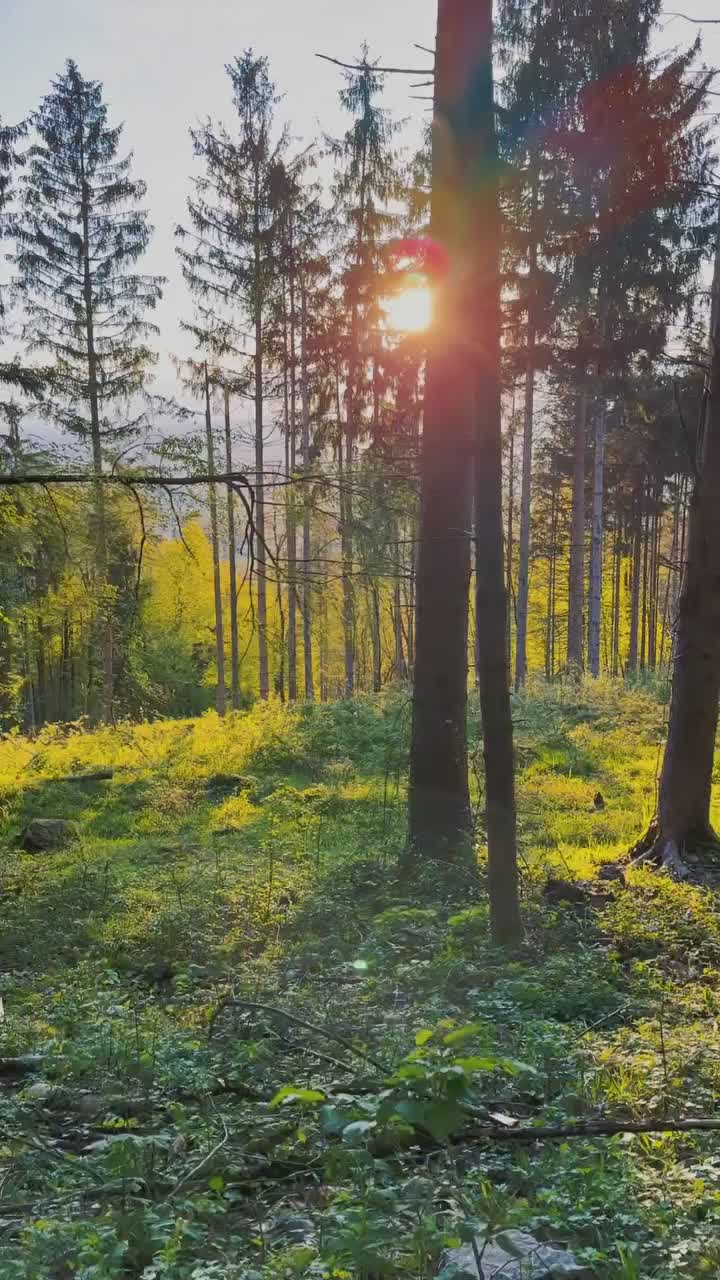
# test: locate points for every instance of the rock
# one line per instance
(41, 1091)
(290, 1228)
(44, 834)
(556, 891)
(515, 1255)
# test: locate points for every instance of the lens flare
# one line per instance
(409, 311)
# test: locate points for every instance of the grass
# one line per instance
(253, 860)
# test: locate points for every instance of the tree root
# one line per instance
(664, 854)
(668, 852)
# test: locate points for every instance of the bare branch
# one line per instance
(374, 66)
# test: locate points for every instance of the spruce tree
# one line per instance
(79, 232)
(227, 255)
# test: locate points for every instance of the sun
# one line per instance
(409, 311)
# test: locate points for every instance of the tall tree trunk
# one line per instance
(596, 543)
(292, 595)
(525, 501)
(491, 599)
(232, 563)
(552, 577)
(686, 777)
(510, 542)
(376, 634)
(632, 663)
(576, 580)
(215, 541)
(259, 537)
(100, 532)
(644, 602)
(307, 597)
(523, 592)
(348, 594)
(439, 799)
(399, 663)
(617, 581)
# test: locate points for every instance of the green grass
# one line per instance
(147, 1144)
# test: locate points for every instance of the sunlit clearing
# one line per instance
(409, 311)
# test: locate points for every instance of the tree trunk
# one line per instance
(525, 500)
(576, 580)
(491, 599)
(348, 600)
(439, 799)
(259, 538)
(399, 663)
(686, 777)
(307, 599)
(552, 576)
(376, 633)
(292, 683)
(596, 543)
(644, 602)
(617, 580)
(217, 586)
(232, 563)
(632, 663)
(101, 538)
(510, 541)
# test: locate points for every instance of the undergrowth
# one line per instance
(166, 1119)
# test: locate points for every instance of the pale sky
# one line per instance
(162, 65)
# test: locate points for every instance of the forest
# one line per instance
(360, 669)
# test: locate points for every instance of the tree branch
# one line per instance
(590, 1129)
(373, 66)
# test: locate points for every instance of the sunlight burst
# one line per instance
(409, 311)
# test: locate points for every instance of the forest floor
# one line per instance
(155, 1129)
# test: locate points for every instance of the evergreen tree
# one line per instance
(228, 255)
(79, 232)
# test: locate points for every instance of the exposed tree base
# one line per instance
(683, 859)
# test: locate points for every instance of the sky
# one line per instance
(162, 65)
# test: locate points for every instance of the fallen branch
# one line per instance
(590, 1129)
(233, 1003)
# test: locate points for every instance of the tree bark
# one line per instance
(576, 580)
(686, 777)
(523, 592)
(491, 598)
(632, 664)
(510, 541)
(232, 563)
(292, 681)
(307, 599)
(596, 543)
(439, 799)
(260, 554)
(101, 538)
(217, 586)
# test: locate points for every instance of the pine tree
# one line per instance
(366, 182)
(79, 232)
(227, 255)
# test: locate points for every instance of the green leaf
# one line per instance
(439, 1119)
(422, 1037)
(463, 1033)
(217, 1183)
(479, 1064)
(290, 1096)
